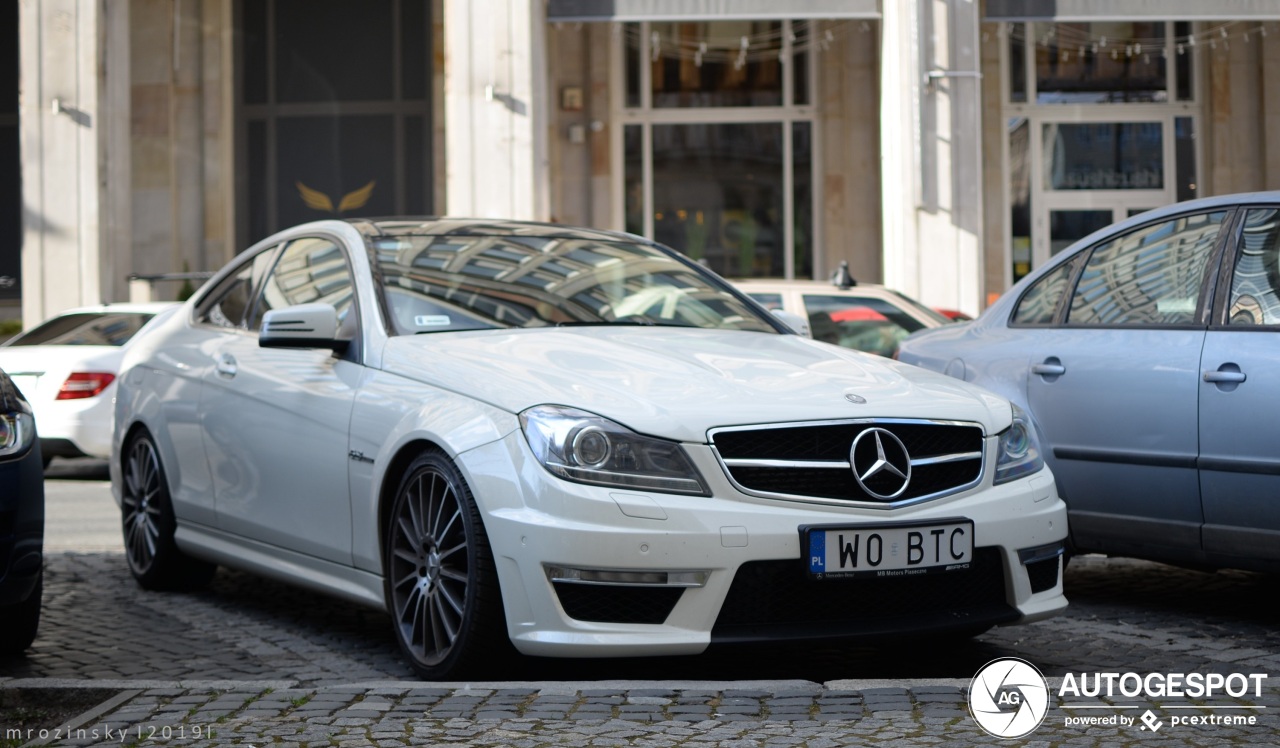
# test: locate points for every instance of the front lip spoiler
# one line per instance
(886, 630)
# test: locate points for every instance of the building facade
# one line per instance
(943, 148)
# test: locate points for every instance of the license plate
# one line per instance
(888, 550)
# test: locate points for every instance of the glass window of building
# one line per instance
(718, 142)
(1098, 129)
(334, 134)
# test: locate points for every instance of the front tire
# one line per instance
(19, 621)
(149, 523)
(441, 583)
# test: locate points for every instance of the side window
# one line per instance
(1039, 305)
(862, 323)
(1256, 282)
(226, 304)
(1151, 276)
(309, 270)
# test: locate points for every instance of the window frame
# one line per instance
(254, 284)
(1042, 202)
(1207, 303)
(786, 115)
(1219, 320)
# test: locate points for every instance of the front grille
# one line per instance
(779, 600)
(617, 603)
(960, 446)
(1043, 574)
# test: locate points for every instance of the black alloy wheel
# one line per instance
(149, 523)
(442, 588)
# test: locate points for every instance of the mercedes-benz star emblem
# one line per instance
(856, 399)
(880, 463)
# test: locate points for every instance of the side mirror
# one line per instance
(301, 326)
(795, 321)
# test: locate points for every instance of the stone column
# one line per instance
(69, 120)
(495, 109)
(931, 144)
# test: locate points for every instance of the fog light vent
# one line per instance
(617, 604)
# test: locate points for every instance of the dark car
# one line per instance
(21, 521)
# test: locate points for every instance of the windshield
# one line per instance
(445, 283)
(88, 328)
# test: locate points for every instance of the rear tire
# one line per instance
(20, 621)
(148, 522)
(441, 581)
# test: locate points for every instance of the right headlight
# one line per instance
(1018, 453)
(586, 448)
(17, 431)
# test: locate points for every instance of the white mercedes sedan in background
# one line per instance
(575, 441)
(66, 368)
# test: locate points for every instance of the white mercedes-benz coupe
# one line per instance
(572, 440)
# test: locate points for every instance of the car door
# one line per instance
(276, 419)
(179, 377)
(1239, 388)
(1114, 386)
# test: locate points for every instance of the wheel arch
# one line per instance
(396, 470)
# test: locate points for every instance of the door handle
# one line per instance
(226, 366)
(1225, 375)
(1052, 367)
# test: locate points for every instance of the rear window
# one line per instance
(89, 328)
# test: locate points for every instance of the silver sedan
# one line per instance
(1145, 355)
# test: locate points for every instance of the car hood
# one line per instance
(679, 382)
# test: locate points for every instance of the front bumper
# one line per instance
(746, 552)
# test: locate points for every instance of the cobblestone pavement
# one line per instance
(253, 661)
(621, 714)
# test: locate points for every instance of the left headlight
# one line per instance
(587, 448)
(1018, 452)
(17, 431)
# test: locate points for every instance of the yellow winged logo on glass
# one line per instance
(317, 200)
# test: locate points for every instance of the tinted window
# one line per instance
(227, 303)
(1254, 286)
(1151, 276)
(864, 324)
(1040, 303)
(90, 328)
(309, 270)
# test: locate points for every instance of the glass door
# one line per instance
(1100, 125)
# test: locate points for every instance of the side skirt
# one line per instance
(345, 582)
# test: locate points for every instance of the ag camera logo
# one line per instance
(1008, 698)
